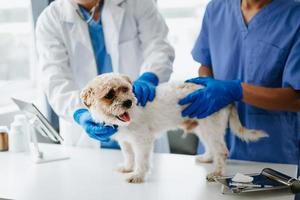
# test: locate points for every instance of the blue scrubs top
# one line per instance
(266, 52)
(103, 59)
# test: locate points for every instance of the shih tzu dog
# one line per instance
(110, 99)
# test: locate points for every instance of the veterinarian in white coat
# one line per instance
(135, 39)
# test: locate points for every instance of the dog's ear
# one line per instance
(86, 96)
(127, 79)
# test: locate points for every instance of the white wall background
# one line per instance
(184, 18)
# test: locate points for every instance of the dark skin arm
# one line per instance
(275, 99)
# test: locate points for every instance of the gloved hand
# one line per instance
(216, 95)
(144, 88)
(97, 131)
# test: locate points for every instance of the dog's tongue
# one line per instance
(125, 117)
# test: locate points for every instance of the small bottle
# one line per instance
(19, 134)
(21, 119)
(3, 138)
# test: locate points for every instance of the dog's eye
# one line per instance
(110, 95)
(124, 89)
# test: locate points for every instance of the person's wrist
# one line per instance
(238, 90)
(150, 77)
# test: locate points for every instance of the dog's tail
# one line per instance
(242, 132)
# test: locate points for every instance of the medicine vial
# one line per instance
(3, 138)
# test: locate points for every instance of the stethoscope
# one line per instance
(92, 12)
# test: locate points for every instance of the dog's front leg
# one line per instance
(128, 155)
(142, 152)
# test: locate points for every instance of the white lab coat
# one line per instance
(135, 37)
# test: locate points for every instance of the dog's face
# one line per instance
(110, 99)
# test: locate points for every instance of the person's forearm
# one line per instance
(276, 99)
(157, 52)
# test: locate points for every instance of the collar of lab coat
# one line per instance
(70, 15)
(112, 17)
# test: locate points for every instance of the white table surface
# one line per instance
(89, 175)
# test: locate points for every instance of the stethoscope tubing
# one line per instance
(92, 13)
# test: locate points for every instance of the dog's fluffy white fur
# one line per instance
(105, 97)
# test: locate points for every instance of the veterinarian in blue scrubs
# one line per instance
(254, 61)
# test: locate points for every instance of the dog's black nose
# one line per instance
(127, 103)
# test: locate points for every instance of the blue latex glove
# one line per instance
(144, 88)
(215, 96)
(97, 131)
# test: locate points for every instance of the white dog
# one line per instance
(110, 99)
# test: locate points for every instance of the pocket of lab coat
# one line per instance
(266, 65)
(131, 56)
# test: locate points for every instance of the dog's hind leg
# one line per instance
(220, 154)
(142, 151)
(192, 126)
(128, 155)
(207, 157)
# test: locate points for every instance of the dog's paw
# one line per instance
(204, 159)
(135, 178)
(211, 176)
(123, 169)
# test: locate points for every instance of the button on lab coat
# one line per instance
(135, 37)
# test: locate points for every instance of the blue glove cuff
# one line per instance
(78, 113)
(238, 94)
(149, 77)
